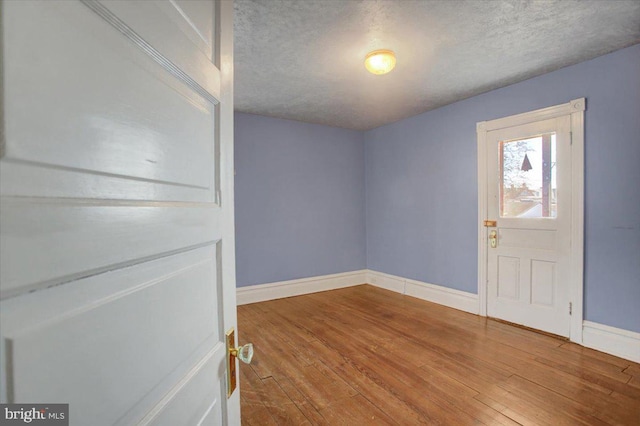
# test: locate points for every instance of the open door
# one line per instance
(117, 269)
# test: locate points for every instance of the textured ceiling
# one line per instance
(303, 60)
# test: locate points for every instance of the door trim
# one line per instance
(575, 109)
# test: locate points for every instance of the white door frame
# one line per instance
(575, 109)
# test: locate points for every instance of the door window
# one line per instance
(528, 177)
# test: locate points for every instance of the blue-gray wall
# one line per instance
(300, 205)
(421, 183)
(299, 192)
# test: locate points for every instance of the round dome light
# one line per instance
(380, 61)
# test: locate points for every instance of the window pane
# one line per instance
(528, 177)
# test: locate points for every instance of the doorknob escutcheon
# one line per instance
(493, 238)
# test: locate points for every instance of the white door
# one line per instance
(117, 277)
(529, 246)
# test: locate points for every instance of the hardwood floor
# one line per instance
(363, 355)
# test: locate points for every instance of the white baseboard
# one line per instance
(386, 281)
(614, 341)
(279, 290)
(456, 299)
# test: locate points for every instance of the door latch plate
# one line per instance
(230, 337)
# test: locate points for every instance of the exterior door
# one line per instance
(529, 245)
(117, 244)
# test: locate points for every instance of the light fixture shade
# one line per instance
(380, 61)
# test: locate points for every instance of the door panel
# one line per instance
(543, 283)
(523, 238)
(529, 179)
(183, 57)
(112, 335)
(508, 282)
(131, 133)
(47, 242)
(116, 262)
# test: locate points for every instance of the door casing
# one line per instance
(575, 109)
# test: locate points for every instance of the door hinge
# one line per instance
(570, 308)
(570, 138)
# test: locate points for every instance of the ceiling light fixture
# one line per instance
(380, 61)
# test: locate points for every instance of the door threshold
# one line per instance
(524, 327)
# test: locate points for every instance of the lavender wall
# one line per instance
(421, 190)
(299, 192)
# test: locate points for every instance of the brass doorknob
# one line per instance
(244, 353)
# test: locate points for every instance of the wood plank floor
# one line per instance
(363, 355)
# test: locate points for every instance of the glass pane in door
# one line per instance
(528, 177)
